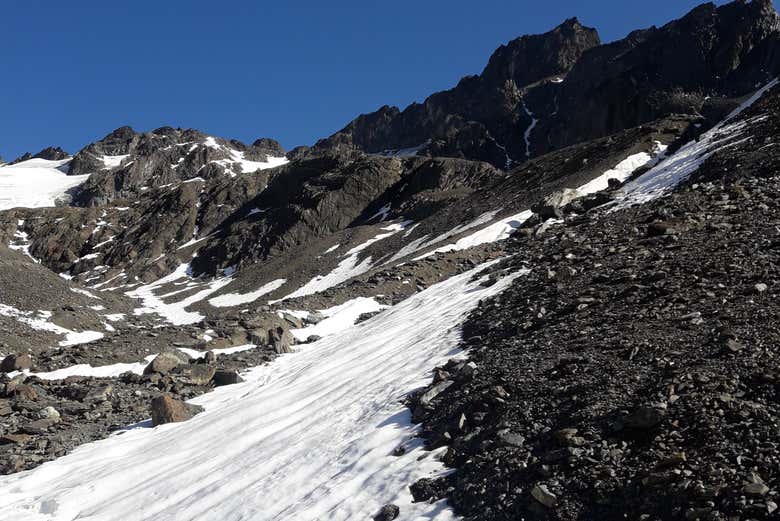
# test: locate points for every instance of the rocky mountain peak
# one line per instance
(48, 153)
(531, 58)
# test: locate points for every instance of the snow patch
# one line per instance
(36, 183)
(236, 299)
(308, 436)
(339, 318)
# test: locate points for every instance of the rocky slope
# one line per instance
(631, 370)
(629, 360)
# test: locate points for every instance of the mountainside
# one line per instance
(547, 293)
(543, 92)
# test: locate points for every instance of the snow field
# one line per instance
(309, 436)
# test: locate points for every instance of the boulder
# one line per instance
(258, 337)
(198, 374)
(166, 361)
(166, 409)
(281, 339)
(16, 363)
(50, 413)
(226, 378)
(544, 496)
(387, 513)
(644, 418)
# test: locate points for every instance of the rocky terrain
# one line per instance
(543, 92)
(631, 370)
(621, 196)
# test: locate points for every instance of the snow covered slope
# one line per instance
(35, 183)
(307, 437)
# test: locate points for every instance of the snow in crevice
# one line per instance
(21, 242)
(307, 437)
(529, 130)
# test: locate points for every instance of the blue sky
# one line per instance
(293, 70)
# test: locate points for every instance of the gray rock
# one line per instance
(16, 363)
(166, 361)
(428, 396)
(281, 339)
(544, 496)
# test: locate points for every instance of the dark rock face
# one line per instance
(712, 52)
(264, 147)
(159, 158)
(579, 90)
(313, 198)
(48, 153)
(482, 118)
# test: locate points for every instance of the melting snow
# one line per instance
(309, 436)
(348, 268)
(174, 312)
(623, 170)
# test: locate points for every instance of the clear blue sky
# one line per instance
(295, 70)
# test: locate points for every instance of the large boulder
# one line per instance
(16, 363)
(166, 409)
(198, 374)
(281, 339)
(226, 378)
(166, 361)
